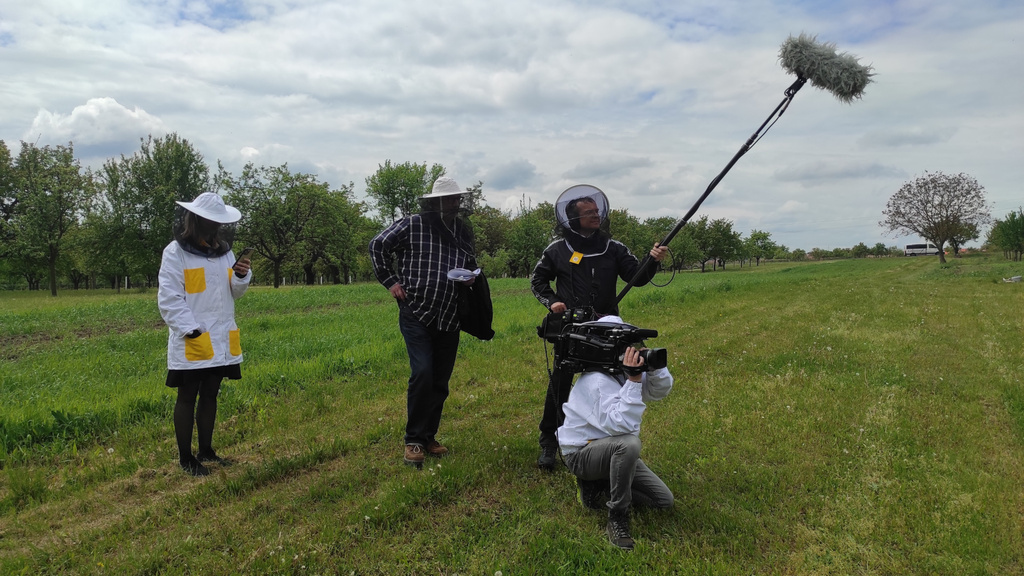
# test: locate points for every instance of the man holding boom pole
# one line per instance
(585, 264)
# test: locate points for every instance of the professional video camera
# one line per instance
(583, 345)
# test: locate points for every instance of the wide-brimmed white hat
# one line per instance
(211, 206)
(445, 186)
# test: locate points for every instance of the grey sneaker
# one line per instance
(618, 529)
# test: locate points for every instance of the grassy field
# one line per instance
(848, 417)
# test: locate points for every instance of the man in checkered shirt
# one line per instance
(412, 259)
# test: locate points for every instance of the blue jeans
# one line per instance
(431, 361)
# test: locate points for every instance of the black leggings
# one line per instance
(186, 411)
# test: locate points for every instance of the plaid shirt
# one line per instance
(424, 255)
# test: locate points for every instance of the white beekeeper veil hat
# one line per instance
(211, 206)
(565, 206)
(444, 186)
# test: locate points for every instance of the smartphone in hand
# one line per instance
(246, 252)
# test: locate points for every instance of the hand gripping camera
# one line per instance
(582, 345)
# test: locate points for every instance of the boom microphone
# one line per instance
(840, 74)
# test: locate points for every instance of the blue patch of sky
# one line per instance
(685, 22)
(682, 21)
(646, 96)
(219, 14)
(690, 27)
(888, 16)
(856, 21)
(6, 39)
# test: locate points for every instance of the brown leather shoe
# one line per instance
(434, 448)
(414, 455)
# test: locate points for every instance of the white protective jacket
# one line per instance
(601, 405)
(199, 292)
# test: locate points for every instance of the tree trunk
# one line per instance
(52, 262)
(53, 278)
(334, 273)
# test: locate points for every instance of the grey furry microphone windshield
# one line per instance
(841, 74)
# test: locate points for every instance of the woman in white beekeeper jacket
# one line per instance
(199, 282)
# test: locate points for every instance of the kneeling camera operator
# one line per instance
(599, 438)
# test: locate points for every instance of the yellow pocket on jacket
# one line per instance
(195, 280)
(234, 343)
(199, 348)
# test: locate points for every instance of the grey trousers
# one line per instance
(617, 459)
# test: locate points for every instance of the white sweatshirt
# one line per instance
(199, 292)
(602, 405)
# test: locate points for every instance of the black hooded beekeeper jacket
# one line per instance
(591, 282)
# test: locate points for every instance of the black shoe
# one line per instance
(588, 493)
(212, 457)
(546, 460)
(618, 529)
(193, 467)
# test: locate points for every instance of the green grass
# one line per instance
(848, 417)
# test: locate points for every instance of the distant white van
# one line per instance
(928, 249)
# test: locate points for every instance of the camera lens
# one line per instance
(654, 358)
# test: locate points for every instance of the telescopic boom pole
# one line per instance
(775, 115)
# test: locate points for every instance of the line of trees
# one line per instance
(1008, 235)
(44, 189)
(62, 224)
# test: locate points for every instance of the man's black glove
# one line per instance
(633, 370)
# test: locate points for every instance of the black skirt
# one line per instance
(176, 378)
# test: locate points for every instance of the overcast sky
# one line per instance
(646, 99)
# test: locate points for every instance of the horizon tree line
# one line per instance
(62, 224)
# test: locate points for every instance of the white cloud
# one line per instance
(646, 99)
(816, 173)
(792, 206)
(599, 169)
(909, 136)
(98, 121)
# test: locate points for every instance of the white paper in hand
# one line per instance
(461, 274)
